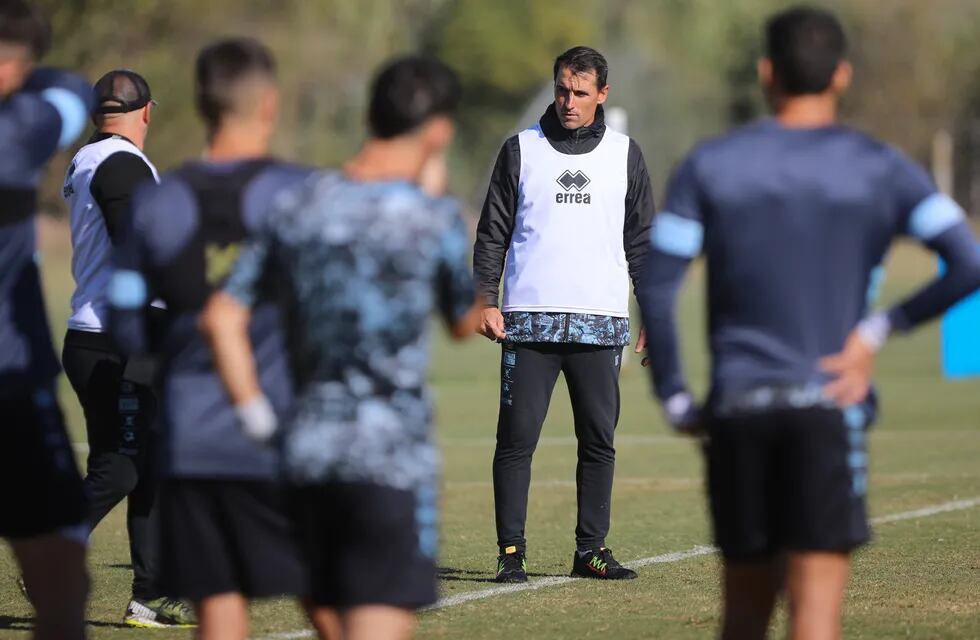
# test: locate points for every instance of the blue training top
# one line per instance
(183, 240)
(363, 265)
(794, 224)
(47, 114)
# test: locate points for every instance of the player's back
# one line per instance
(188, 230)
(795, 223)
(361, 259)
(363, 266)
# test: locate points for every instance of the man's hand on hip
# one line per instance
(492, 324)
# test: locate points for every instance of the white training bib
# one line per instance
(91, 260)
(566, 252)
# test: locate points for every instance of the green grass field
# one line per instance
(920, 578)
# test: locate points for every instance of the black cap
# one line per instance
(121, 91)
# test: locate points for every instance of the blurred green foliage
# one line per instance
(682, 68)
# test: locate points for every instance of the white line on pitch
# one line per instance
(676, 556)
(954, 505)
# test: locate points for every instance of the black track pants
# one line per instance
(120, 408)
(528, 375)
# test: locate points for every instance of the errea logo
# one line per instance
(570, 181)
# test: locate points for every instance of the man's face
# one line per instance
(16, 64)
(577, 97)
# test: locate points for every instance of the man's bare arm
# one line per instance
(224, 323)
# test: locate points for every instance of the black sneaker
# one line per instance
(511, 566)
(601, 565)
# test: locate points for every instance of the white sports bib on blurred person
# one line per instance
(91, 260)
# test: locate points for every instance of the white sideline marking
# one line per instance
(955, 505)
(675, 556)
(541, 583)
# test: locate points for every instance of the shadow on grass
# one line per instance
(17, 623)
(464, 575)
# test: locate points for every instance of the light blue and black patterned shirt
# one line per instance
(580, 328)
(361, 267)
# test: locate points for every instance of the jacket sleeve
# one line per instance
(113, 185)
(640, 208)
(497, 222)
(128, 293)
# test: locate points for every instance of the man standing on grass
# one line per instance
(793, 215)
(569, 209)
(362, 258)
(44, 508)
(225, 536)
(116, 393)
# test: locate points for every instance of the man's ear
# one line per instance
(842, 77)
(146, 113)
(764, 70)
(269, 105)
(603, 94)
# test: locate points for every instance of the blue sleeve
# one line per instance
(246, 281)
(455, 290)
(128, 292)
(676, 238)
(68, 95)
(939, 223)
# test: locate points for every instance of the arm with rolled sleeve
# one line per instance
(935, 220)
(496, 224)
(676, 239)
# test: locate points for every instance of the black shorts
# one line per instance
(787, 480)
(227, 536)
(40, 488)
(367, 545)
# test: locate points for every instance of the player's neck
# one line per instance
(232, 142)
(806, 112)
(381, 160)
(136, 135)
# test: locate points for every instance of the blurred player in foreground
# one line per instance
(44, 506)
(224, 531)
(362, 258)
(793, 214)
(116, 393)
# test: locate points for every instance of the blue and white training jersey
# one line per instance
(361, 266)
(183, 239)
(47, 114)
(794, 225)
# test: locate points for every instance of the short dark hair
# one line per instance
(220, 67)
(408, 91)
(23, 23)
(583, 60)
(805, 46)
